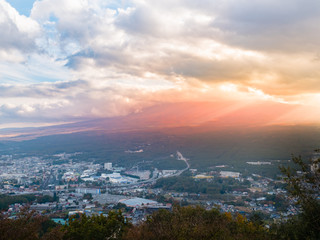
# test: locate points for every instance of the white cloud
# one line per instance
(66, 101)
(35, 68)
(182, 38)
(18, 33)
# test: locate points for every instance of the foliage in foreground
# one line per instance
(196, 223)
(96, 227)
(304, 187)
(181, 223)
(28, 226)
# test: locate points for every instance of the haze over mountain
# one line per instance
(171, 115)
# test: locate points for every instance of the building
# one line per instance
(167, 173)
(138, 202)
(43, 206)
(143, 175)
(116, 178)
(202, 176)
(93, 191)
(226, 174)
(108, 166)
(61, 187)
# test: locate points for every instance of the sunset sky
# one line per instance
(70, 60)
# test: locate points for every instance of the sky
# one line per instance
(71, 60)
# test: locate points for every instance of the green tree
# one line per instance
(87, 196)
(6, 200)
(304, 186)
(257, 218)
(96, 227)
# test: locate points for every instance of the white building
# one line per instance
(108, 166)
(167, 173)
(138, 202)
(143, 175)
(117, 178)
(93, 191)
(226, 174)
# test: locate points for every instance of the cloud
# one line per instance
(139, 20)
(18, 33)
(224, 41)
(34, 69)
(66, 101)
(80, 58)
(282, 26)
(42, 90)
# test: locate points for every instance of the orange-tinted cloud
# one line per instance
(105, 60)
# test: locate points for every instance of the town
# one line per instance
(61, 187)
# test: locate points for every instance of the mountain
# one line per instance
(171, 115)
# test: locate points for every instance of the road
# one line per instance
(182, 158)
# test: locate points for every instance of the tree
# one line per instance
(304, 186)
(96, 227)
(87, 196)
(120, 206)
(27, 225)
(195, 223)
(257, 218)
(6, 200)
(31, 226)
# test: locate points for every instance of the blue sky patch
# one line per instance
(22, 6)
